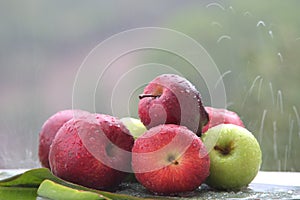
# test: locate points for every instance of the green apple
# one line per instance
(235, 156)
(135, 126)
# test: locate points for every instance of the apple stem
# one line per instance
(224, 151)
(148, 95)
(175, 162)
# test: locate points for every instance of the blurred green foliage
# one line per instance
(256, 44)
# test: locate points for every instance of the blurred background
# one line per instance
(255, 45)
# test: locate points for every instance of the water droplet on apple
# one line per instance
(92, 139)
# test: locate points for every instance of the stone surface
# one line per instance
(267, 185)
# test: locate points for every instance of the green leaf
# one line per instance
(7, 193)
(55, 191)
(33, 179)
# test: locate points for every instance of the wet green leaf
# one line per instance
(32, 179)
(55, 191)
(7, 193)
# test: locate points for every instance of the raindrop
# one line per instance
(222, 77)
(215, 5)
(232, 9)
(298, 119)
(271, 34)
(250, 90)
(259, 89)
(253, 84)
(280, 57)
(223, 37)
(92, 139)
(291, 127)
(28, 153)
(275, 149)
(214, 23)
(247, 13)
(279, 165)
(279, 101)
(260, 23)
(262, 125)
(187, 91)
(285, 157)
(272, 93)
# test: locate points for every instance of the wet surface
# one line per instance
(267, 185)
(253, 191)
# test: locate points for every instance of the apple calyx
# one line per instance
(224, 150)
(172, 160)
(141, 96)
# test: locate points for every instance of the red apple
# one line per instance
(169, 159)
(94, 152)
(171, 99)
(49, 130)
(221, 116)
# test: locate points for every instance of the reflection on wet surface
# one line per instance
(256, 190)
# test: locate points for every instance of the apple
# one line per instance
(172, 99)
(170, 159)
(235, 156)
(93, 151)
(135, 126)
(49, 130)
(221, 116)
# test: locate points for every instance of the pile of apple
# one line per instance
(175, 146)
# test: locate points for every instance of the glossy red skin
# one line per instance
(188, 174)
(48, 132)
(180, 103)
(221, 116)
(71, 160)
